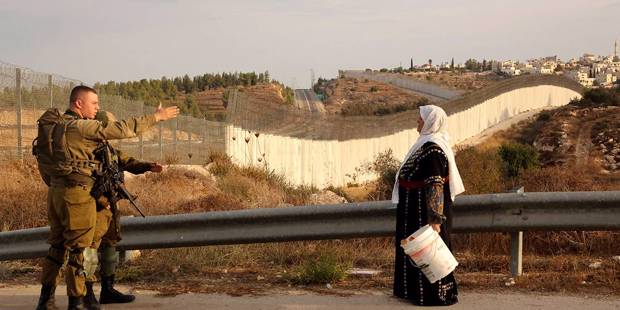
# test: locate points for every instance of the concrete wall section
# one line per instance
(333, 162)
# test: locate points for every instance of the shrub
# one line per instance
(385, 167)
(171, 159)
(518, 157)
(481, 170)
(373, 89)
(221, 163)
(543, 117)
(598, 97)
(325, 269)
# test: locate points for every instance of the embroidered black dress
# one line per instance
(427, 167)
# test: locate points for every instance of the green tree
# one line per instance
(188, 84)
(472, 65)
(518, 157)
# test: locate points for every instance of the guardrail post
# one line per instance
(516, 247)
(516, 253)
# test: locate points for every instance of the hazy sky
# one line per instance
(133, 39)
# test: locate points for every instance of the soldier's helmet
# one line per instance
(105, 117)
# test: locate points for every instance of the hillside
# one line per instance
(466, 81)
(350, 97)
(584, 134)
(212, 103)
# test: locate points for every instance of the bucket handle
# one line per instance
(434, 253)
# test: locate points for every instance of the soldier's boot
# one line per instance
(46, 299)
(90, 301)
(109, 295)
(76, 303)
(50, 276)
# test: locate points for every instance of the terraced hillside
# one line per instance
(355, 97)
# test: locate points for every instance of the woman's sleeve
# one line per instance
(434, 164)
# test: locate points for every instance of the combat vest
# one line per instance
(50, 146)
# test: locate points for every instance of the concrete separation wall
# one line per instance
(307, 151)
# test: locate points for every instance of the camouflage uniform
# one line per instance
(107, 230)
(72, 211)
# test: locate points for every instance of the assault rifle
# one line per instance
(110, 180)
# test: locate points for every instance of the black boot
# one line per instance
(111, 296)
(76, 303)
(46, 299)
(90, 301)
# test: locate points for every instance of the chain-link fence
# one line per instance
(26, 94)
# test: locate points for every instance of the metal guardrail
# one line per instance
(512, 212)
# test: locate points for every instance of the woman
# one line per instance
(426, 184)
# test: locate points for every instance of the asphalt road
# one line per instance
(25, 297)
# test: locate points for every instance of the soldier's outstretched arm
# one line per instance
(95, 130)
(133, 165)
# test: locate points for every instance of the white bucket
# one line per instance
(429, 253)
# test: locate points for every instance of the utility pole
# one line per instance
(311, 79)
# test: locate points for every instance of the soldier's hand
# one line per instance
(157, 168)
(167, 113)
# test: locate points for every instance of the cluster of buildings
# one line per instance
(589, 70)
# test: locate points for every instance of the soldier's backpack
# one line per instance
(50, 145)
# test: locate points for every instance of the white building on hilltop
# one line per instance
(606, 78)
(582, 76)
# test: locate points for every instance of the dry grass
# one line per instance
(549, 256)
(551, 273)
(23, 195)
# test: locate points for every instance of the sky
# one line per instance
(134, 39)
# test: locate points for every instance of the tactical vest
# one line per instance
(50, 147)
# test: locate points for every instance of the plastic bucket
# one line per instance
(429, 253)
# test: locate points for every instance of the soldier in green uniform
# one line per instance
(64, 149)
(107, 230)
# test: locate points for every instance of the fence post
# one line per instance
(189, 133)
(141, 137)
(120, 113)
(161, 145)
(516, 247)
(204, 138)
(174, 137)
(18, 108)
(49, 83)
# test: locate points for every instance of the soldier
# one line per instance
(107, 231)
(64, 148)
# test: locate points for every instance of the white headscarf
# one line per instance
(435, 130)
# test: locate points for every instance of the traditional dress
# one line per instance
(425, 188)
